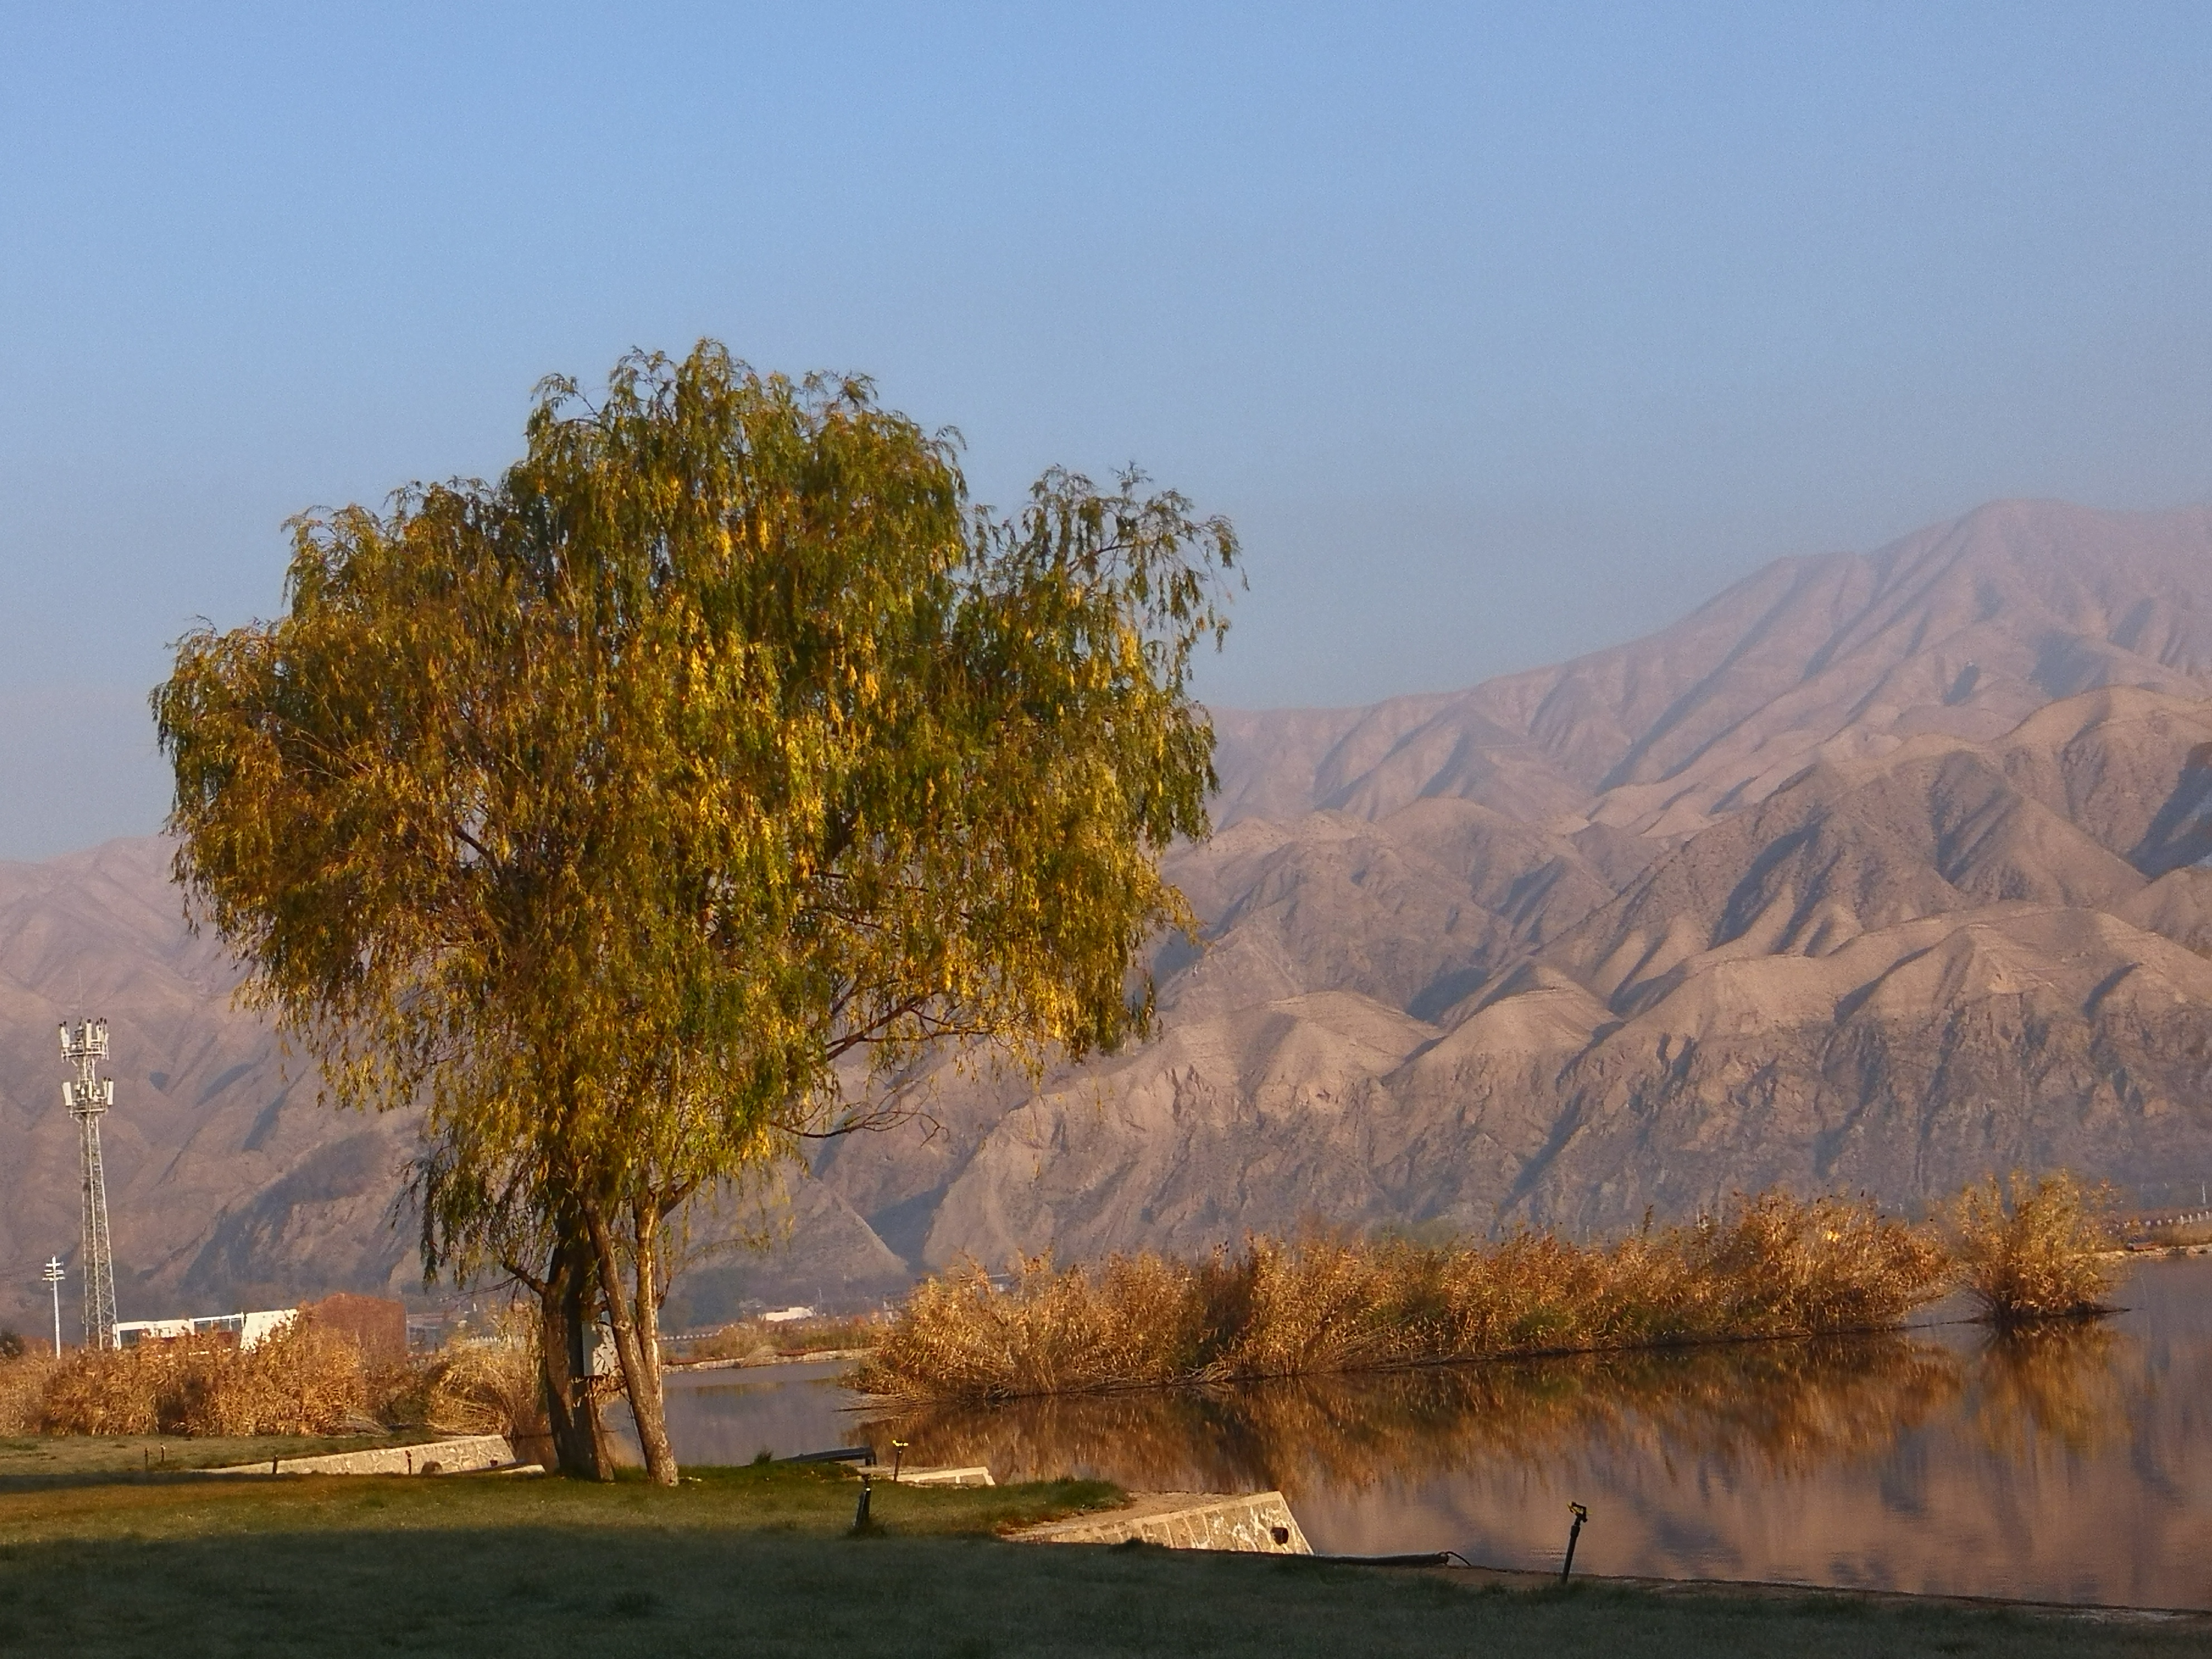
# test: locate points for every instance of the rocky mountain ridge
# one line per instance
(1964, 629)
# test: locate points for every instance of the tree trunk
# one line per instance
(635, 1312)
(566, 1334)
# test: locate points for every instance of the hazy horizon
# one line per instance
(1503, 339)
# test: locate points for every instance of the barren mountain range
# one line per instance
(1877, 872)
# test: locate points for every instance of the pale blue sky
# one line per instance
(1503, 333)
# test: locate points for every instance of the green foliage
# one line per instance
(625, 814)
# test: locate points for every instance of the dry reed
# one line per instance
(300, 1380)
(483, 1385)
(1775, 1266)
(22, 1391)
(2033, 1250)
(305, 1379)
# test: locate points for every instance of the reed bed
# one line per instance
(305, 1379)
(1775, 1266)
(23, 1378)
(300, 1380)
(2033, 1248)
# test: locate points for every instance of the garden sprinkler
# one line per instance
(1574, 1532)
(860, 1510)
(898, 1451)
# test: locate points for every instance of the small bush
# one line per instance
(2033, 1250)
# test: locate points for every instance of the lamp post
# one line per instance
(53, 1277)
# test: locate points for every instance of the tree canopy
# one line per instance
(624, 813)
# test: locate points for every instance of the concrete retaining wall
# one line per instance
(455, 1457)
(1260, 1522)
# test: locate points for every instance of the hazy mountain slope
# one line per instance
(1413, 911)
(2177, 905)
(229, 1184)
(1895, 975)
(225, 1182)
(1910, 1062)
(1963, 628)
(1841, 852)
(1258, 1118)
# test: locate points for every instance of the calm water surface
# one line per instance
(2075, 1466)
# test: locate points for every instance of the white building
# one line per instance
(248, 1327)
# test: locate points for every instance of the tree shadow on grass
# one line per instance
(650, 1590)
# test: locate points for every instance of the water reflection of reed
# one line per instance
(2055, 1385)
(1778, 1408)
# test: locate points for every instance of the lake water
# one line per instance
(2075, 1465)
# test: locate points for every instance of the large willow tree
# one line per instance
(647, 811)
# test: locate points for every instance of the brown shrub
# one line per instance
(2032, 1249)
(1784, 1268)
(1775, 1266)
(102, 1391)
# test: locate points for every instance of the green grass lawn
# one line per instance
(757, 1561)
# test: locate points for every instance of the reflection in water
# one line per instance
(2071, 1462)
(1769, 1409)
(1780, 1408)
(2039, 1387)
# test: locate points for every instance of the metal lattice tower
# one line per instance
(88, 1096)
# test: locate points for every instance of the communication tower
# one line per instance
(88, 1096)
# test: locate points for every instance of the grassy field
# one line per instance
(758, 1561)
(42, 1459)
